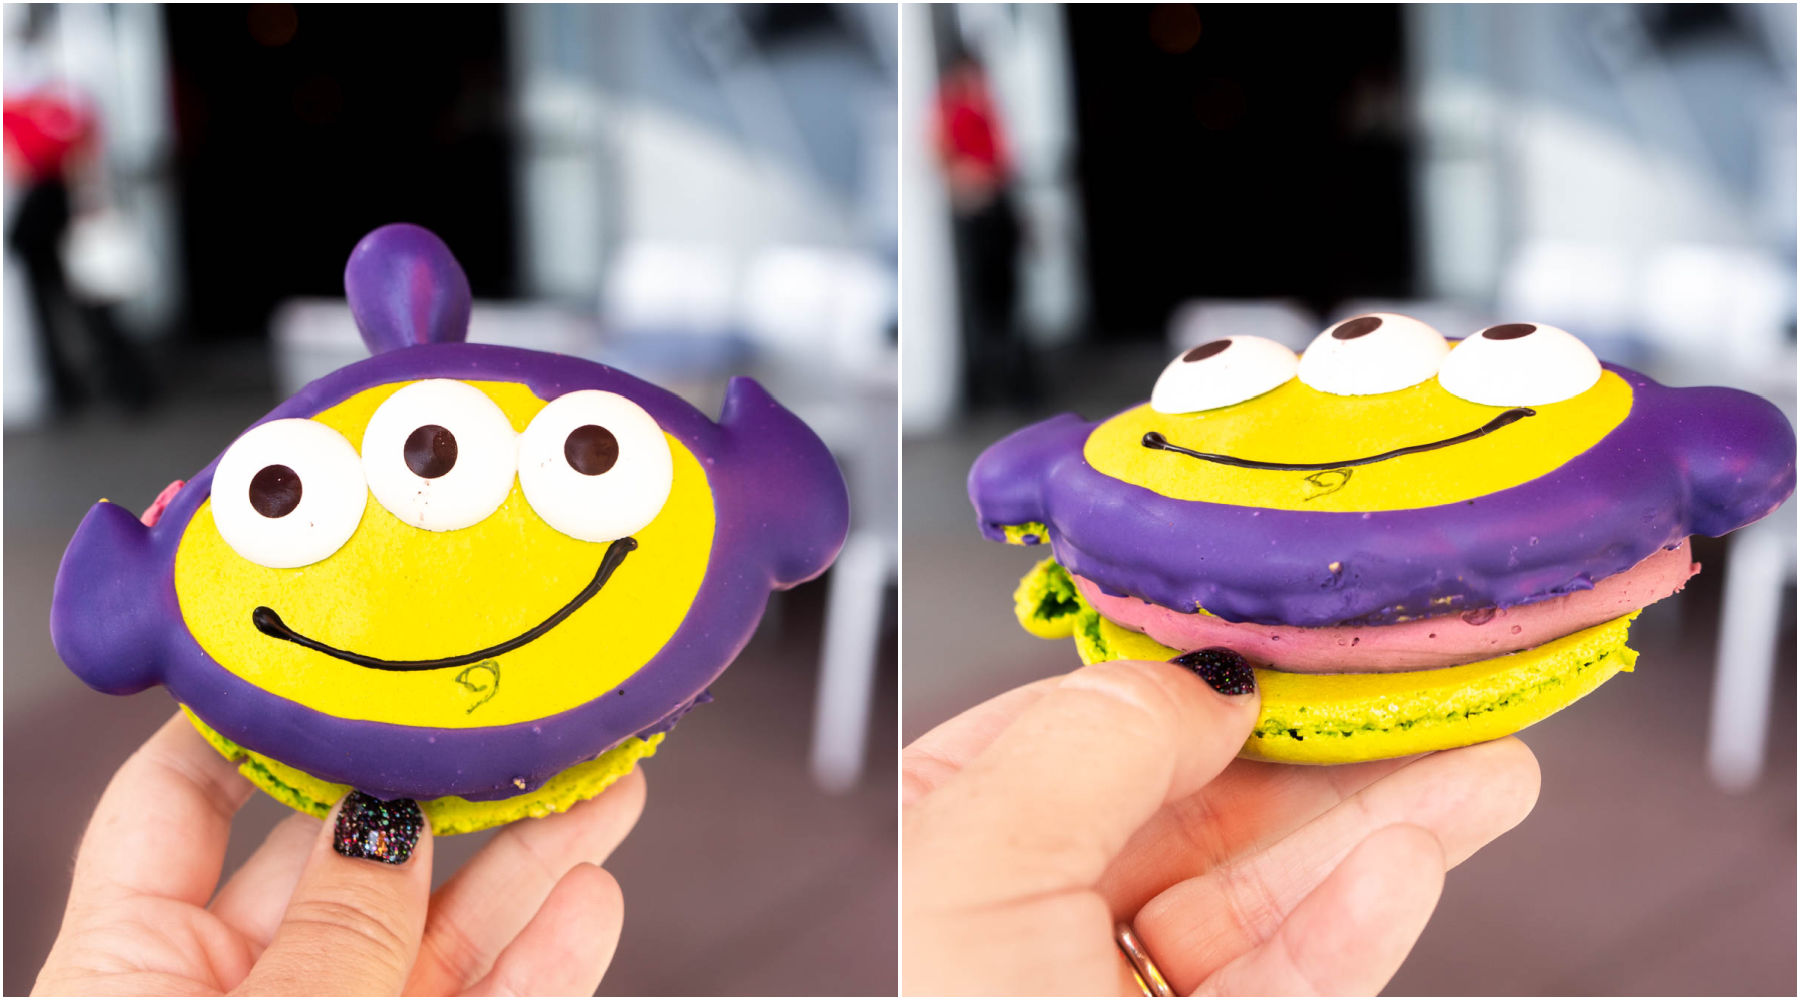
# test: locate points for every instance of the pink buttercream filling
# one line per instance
(1439, 641)
(154, 512)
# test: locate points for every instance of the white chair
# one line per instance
(1717, 314)
(1692, 314)
(658, 287)
(819, 321)
(315, 337)
(1448, 317)
(1199, 320)
(1590, 289)
(1759, 562)
(1720, 312)
(669, 312)
(809, 310)
(859, 582)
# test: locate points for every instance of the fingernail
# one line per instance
(379, 831)
(1224, 669)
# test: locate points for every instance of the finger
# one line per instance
(162, 824)
(1464, 798)
(566, 948)
(935, 757)
(255, 896)
(1250, 805)
(484, 906)
(1056, 945)
(353, 924)
(1052, 799)
(1350, 935)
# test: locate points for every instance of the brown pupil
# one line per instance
(275, 491)
(430, 451)
(1205, 351)
(1361, 326)
(591, 449)
(1509, 331)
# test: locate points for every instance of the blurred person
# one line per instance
(973, 155)
(339, 907)
(1052, 827)
(51, 158)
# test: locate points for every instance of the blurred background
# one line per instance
(1089, 190)
(683, 192)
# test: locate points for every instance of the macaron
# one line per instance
(484, 578)
(1418, 543)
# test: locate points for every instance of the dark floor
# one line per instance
(1633, 876)
(742, 877)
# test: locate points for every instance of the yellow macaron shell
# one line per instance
(399, 592)
(1296, 424)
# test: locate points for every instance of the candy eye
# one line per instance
(439, 455)
(1220, 373)
(1519, 364)
(288, 493)
(1379, 352)
(595, 466)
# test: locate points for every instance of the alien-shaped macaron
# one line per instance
(482, 577)
(1421, 544)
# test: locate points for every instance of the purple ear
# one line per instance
(105, 616)
(1739, 456)
(1005, 483)
(790, 498)
(406, 288)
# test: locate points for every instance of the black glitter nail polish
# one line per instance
(1225, 669)
(380, 831)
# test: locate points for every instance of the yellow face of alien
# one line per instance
(1295, 447)
(396, 592)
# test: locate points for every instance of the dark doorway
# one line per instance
(1240, 151)
(300, 128)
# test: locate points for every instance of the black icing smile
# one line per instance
(270, 624)
(1154, 440)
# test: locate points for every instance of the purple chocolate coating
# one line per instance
(781, 509)
(1683, 462)
(405, 288)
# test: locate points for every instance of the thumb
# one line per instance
(353, 925)
(1055, 796)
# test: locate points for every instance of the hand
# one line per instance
(1037, 821)
(531, 913)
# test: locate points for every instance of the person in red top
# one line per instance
(51, 137)
(43, 129)
(972, 151)
(969, 142)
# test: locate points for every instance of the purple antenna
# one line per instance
(406, 288)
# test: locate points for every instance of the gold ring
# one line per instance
(1149, 977)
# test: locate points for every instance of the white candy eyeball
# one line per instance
(439, 455)
(1220, 373)
(595, 466)
(1366, 355)
(288, 493)
(1519, 364)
